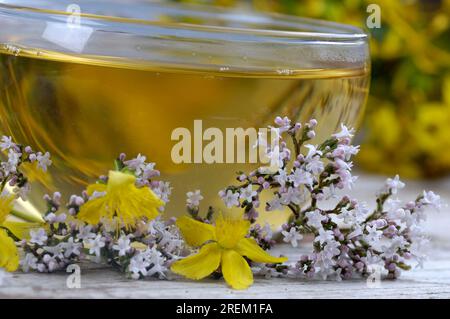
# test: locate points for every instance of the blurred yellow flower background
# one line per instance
(407, 125)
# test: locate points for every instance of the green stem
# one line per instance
(118, 165)
(10, 233)
(297, 145)
(2, 186)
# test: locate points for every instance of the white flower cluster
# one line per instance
(16, 155)
(164, 245)
(146, 250)
(314, 175)
(348, 239)
(145, 174)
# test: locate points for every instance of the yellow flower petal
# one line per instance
(5, 206)
(230, 231)
(116, 180)
(195, 233)
(93, 210)
(138, 245)
(98, 187)
(134, 204)
(9, 257)
(235, 270)
(122, 199)
(20, 229)
(200, 265)
(249, 248)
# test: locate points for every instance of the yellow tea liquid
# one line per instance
(86, 114)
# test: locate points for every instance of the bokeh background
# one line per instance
(407, 124)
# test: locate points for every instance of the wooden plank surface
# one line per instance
(99, 282)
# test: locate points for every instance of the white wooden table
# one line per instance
(99, 282)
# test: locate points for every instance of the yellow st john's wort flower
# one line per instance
(5, 207)
(222, 245)
(9, 257)
(120, 197)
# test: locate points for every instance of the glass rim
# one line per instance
(335, 30)
(181, 25)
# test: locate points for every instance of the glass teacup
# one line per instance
(88, 80)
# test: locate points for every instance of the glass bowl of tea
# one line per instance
(88, 80)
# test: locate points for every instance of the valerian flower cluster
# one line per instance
(115, 221)
(118, 221)
(15, 225)
(349, 239)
